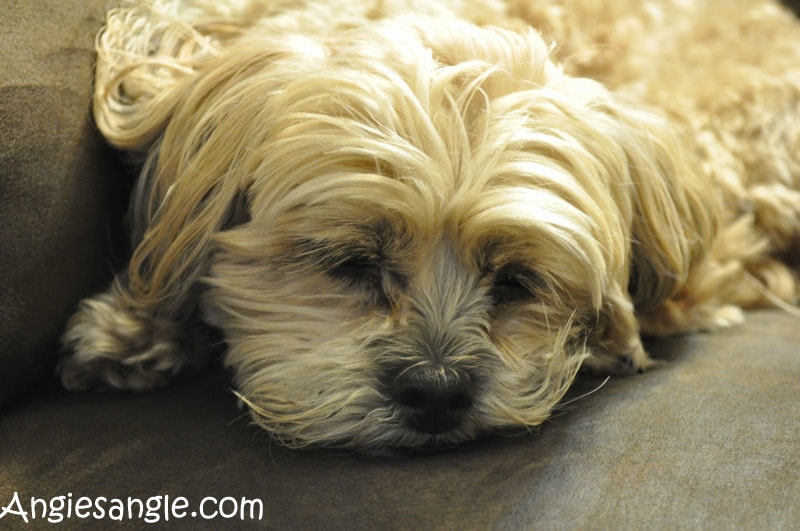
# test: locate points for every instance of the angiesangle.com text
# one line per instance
(151, 510)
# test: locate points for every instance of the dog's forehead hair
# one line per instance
(375, 241)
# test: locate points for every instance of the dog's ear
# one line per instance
(172, 91)
(675, 213)
(143, 58)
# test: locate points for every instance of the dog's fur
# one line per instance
(414, 221)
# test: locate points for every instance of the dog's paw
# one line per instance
(722, 317)
(148, 369)
(111, 348)
(636, 360)
(710, 318)
(673, 318)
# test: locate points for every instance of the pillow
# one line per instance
(61, 190)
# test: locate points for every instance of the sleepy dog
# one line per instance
(414, 222)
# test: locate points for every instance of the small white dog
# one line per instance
(414, 221)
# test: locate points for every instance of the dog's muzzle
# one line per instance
(434, 398)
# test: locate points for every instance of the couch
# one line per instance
(709, 440)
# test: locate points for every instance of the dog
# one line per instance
(414, 222)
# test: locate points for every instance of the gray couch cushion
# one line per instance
(57, 187)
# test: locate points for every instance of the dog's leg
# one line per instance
(150, 99)
(739, 272)
(681, 316)
(113, 344)
(617, 348)
(777, 214)
(630, 359)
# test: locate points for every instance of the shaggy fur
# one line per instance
(415, 221)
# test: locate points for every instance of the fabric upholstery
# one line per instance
(57, 187)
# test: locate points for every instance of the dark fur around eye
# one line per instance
(358, 270)
(512, 284)
(367, 275)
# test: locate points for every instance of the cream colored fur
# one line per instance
(497, 193)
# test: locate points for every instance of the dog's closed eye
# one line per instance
(368, 274)
(512, 284)
(359, 270)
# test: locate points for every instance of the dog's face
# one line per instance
(410, 238)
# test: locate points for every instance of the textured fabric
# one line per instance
(57, 190)
(709, 440)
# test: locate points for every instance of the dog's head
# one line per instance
(409, 233)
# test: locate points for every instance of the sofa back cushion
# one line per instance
(61, 189)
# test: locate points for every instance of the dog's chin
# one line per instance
(380, 438)
(368, 421)
(428, 445)
(434, 444)
(420, 444)
(408, 441)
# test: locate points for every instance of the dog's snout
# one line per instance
(435, 398)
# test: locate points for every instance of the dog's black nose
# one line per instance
(436, 398)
